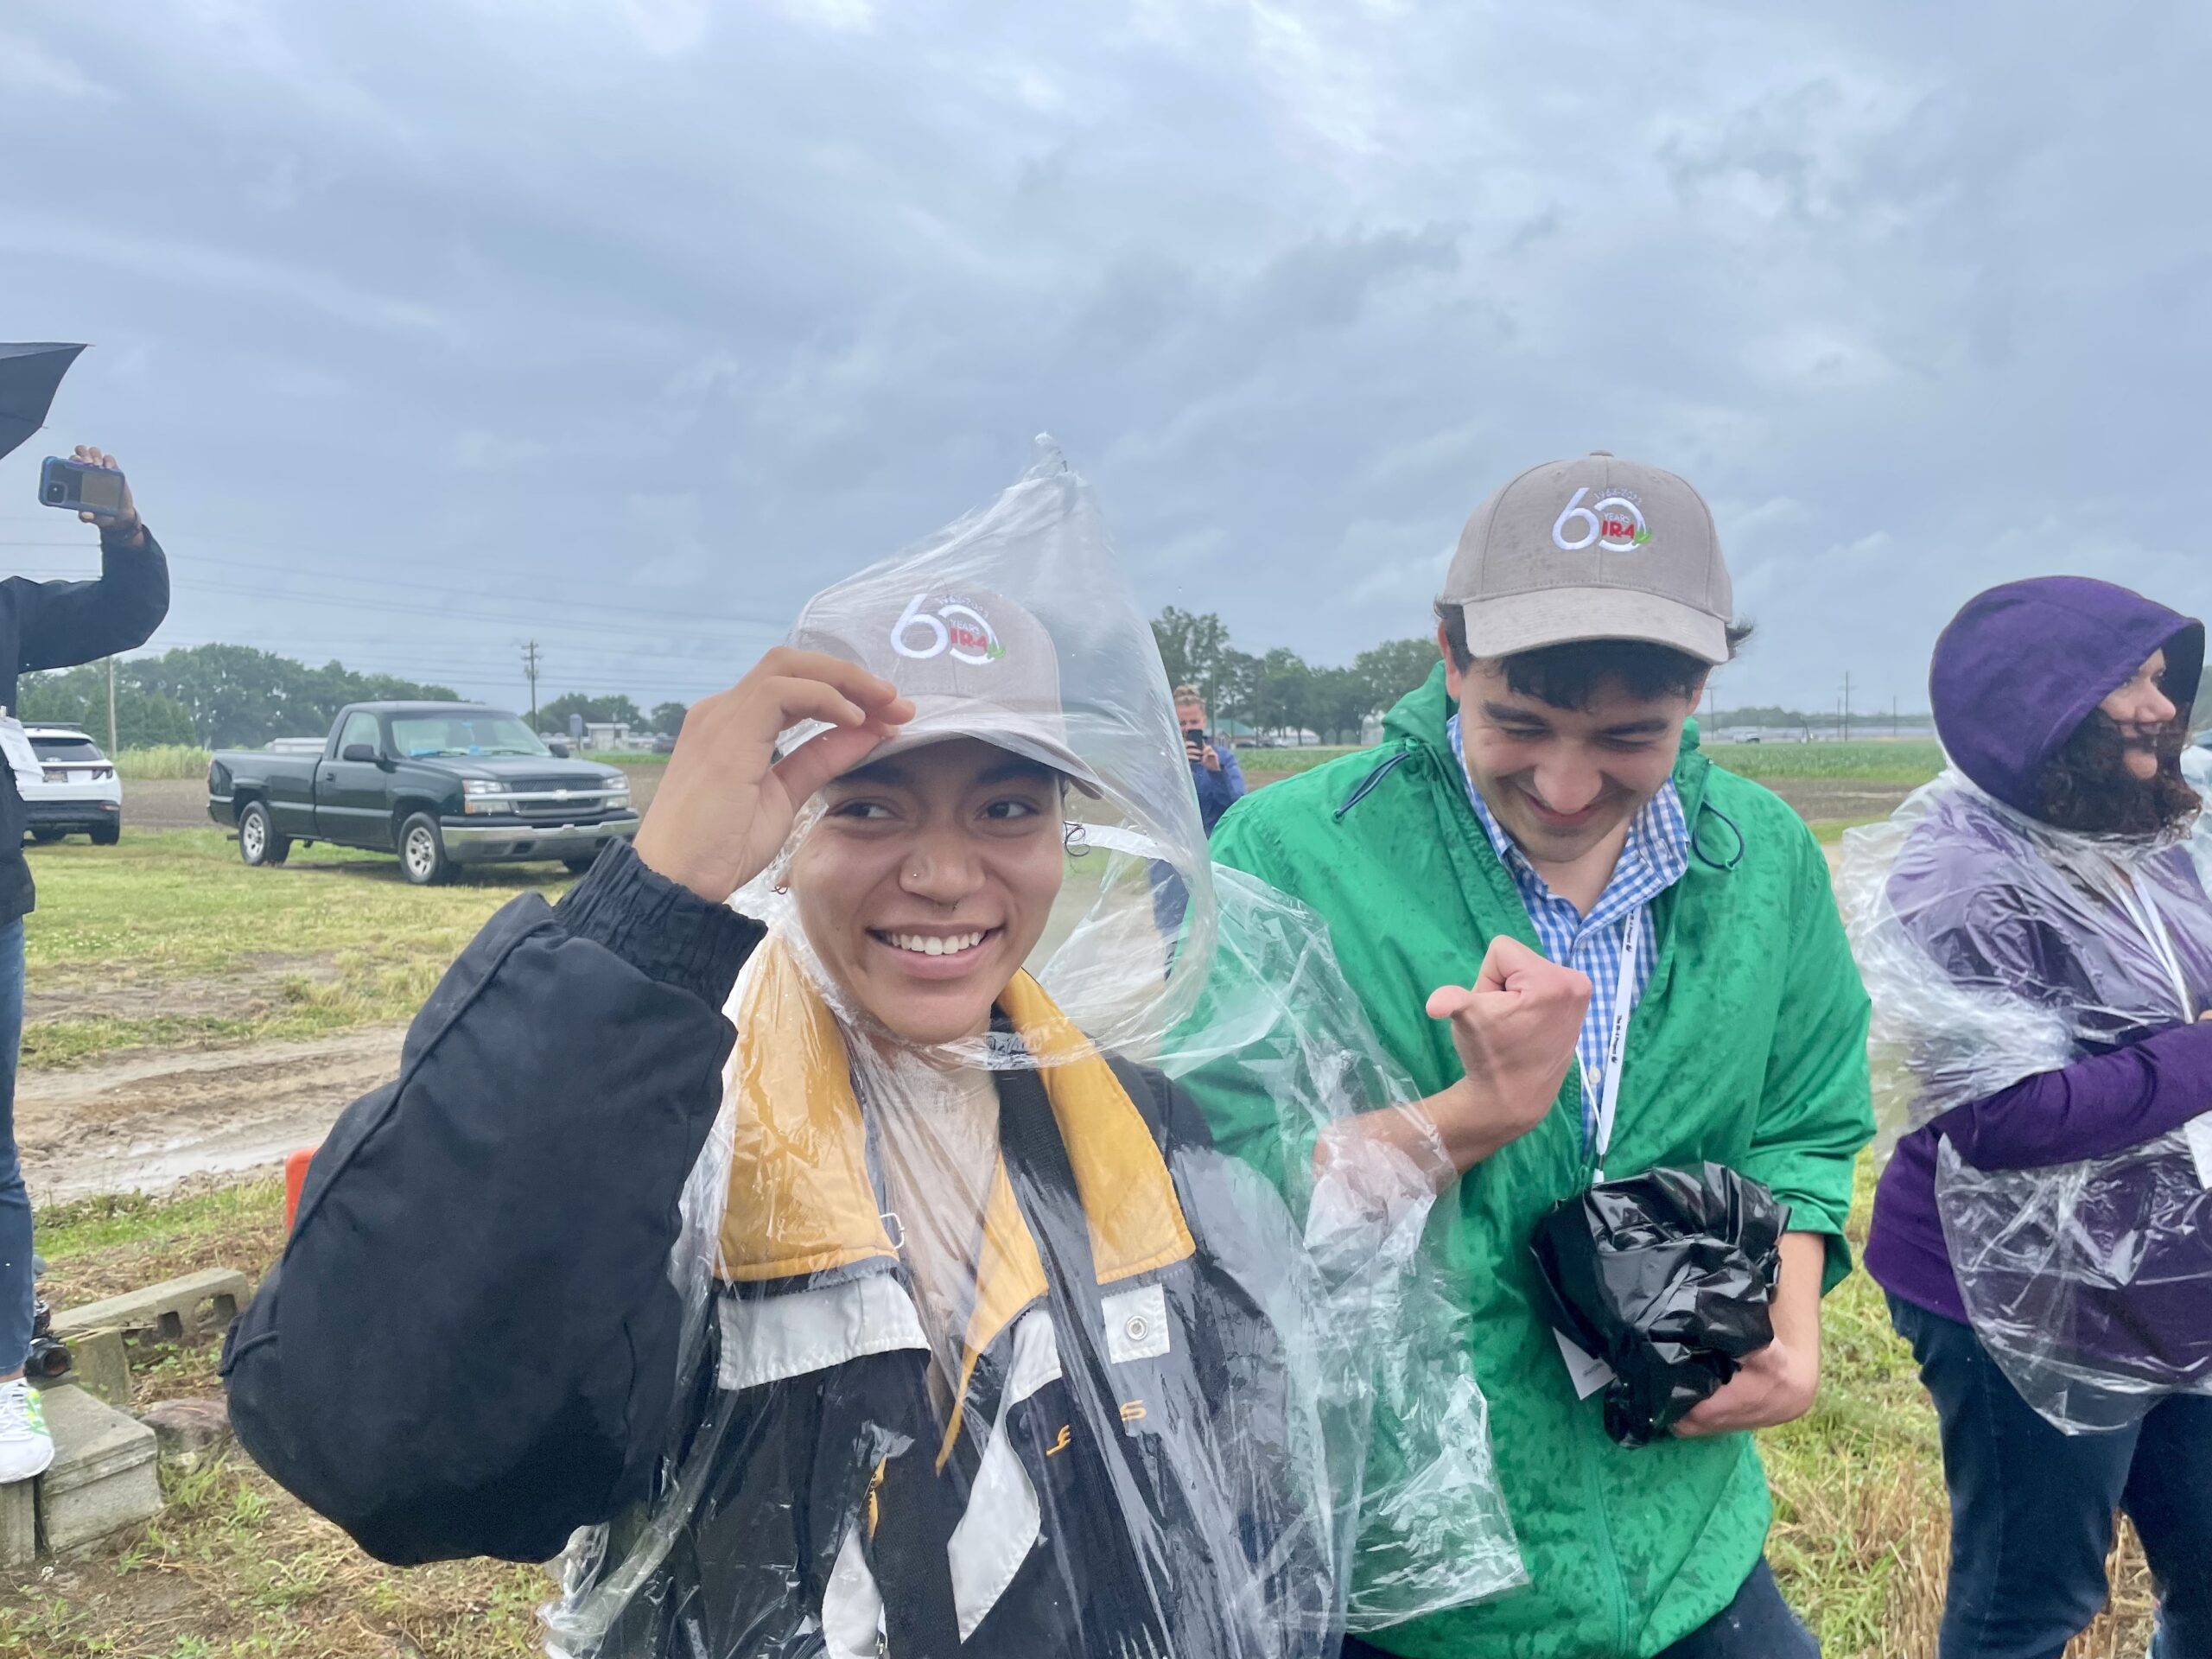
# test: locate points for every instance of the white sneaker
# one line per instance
(26, 1448)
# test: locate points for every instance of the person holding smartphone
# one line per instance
(49, 625)
(1214, 771)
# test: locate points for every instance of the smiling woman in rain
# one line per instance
(811, 1276)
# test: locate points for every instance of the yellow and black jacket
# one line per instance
(473, 1346)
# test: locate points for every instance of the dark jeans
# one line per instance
(1757, 1624)
(14, 1202)
(2032, 1508)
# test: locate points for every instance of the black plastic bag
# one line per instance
(1668, 1277)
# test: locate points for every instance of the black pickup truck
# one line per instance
(440, 784)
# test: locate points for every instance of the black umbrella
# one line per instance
(29, 375)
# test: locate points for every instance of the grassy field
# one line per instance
(164, 760)
(172, 940)
(236, 1569)
(1906, 763)
(1910, 761)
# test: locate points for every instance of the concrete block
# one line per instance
(18, 1522)
(101, 1365)
(192, 1433)
(106, 1473)
(180, 1310)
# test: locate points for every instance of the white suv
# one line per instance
(81, 792)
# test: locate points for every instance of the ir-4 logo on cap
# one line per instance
(1615, 523)
(960, 629)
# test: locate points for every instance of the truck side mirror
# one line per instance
(365, 753)
(558, 747)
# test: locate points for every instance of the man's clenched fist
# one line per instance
(1515, 1029)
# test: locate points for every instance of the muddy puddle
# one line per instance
(151, 1118)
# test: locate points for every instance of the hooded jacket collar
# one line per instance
(2020, 667)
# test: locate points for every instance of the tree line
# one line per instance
(215, 696)
(226, 697)
(667, 718)
(1277, 691)
(235, 696)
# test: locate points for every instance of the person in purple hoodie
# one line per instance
(2039, 951)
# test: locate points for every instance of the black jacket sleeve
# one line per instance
(470, 1346)
(63, 623)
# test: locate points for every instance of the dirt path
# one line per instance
(146, 1120)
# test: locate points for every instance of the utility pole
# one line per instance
(530, 666)
(1847, 705)
(110, 708)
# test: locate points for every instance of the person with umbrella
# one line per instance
(45, 625)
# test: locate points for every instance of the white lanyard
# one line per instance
(1609, 1090)
(2144, 915)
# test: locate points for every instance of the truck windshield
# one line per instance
(424, 737)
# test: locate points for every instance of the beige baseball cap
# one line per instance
(974, 663)
(1596, 547)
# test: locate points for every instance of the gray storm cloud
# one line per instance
(428, 329)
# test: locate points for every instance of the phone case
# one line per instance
(62, 483)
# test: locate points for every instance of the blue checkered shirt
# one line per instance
(1656, 853)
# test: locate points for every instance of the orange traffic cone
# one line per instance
(295, 1177)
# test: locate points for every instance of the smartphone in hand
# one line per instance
(75, 487)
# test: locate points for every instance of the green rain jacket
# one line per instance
(1749, 1047)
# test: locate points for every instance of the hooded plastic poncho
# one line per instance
(990, 1349)
(1997, 947)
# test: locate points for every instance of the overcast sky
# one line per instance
(428, 328)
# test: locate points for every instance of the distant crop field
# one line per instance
(165, 760)
(1909, 761)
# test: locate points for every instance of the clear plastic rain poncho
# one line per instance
(1997, 947)
(988, 1349)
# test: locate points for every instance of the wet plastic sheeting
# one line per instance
(1996, 948)
(990, 1349)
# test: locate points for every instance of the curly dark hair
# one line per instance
(2086, 784)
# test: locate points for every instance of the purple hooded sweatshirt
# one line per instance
(2015, 674)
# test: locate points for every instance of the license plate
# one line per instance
(80, 777)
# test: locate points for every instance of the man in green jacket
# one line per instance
(1539, 808)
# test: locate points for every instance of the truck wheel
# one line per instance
(258, 842)
(106, 834)
(47, 837)
(578, 866)
(422, 851)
